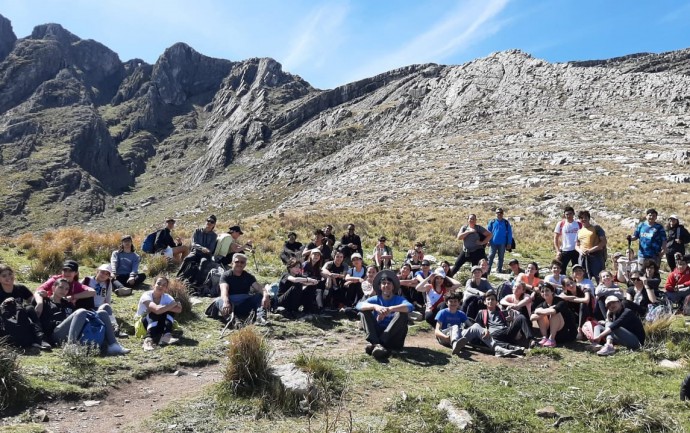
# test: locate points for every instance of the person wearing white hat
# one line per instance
(104, 285)
(677, 238)
(623, 326)
(435, 288)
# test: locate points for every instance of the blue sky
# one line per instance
(329, 43)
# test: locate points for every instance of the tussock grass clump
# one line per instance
(47, 261)
(157, 264)
(328, 378)
(247, 372)
(14, 388)
(179, 290)
(625, 412)
(663, 342)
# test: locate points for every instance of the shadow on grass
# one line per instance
(423, 356)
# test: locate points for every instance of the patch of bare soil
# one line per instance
(128, 405)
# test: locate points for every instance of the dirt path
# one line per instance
(127, 406)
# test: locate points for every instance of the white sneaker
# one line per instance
(501, 352)
(459, 345)
(116, 349)
(148, 344)
(607, 350)
(168, 339)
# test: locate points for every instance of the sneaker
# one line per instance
(458, 345)
(261, 321)
(415, 316)
(116, 349)
(549, 343)
(580, 336)
(607, 350)
(542, 341)
(369, 349)
(43, 345)
(168, 339)
(500, 352)
(380, 352)
(148, 344)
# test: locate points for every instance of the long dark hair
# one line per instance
(122, 246)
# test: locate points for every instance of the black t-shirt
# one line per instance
(286, 284)
(326, 251)
(629, 320)
(241, 285)
(562, 307)
(293, 246)
(54, 313)
(354, 239)
(19, 292)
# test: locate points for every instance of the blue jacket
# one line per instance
(502, 232)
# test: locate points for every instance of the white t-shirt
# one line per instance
(148, 296)
(568, 232)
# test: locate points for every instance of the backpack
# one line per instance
(17, 328)
(211, 286)
(148, 246)
(93, 331)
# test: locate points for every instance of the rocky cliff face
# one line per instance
(85, 135)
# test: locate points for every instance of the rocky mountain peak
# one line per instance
(55, 32)
(7, 37)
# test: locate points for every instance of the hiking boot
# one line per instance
(369, 348)
(148, 344)
(168, 339)
(607, 350)
(43, 345)
(549, 343)
(458, 345)
(501, 352)
(116, 349)
(380, 352)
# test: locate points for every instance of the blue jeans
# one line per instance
(501, 250)
(243, 304)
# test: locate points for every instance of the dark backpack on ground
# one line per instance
(148, 246)
(17, 328)
(211, 285)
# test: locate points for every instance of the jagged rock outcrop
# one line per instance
(7, 37)
(79, 129)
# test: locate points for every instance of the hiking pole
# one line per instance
(227, 325)
(256, 265)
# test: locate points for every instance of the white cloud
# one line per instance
(318, 36)
(466, 25)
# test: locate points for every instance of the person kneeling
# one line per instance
(384, 316)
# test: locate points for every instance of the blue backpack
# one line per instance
(148, 245)
(93, 331)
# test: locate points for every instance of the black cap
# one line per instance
(290, 234)
(71, 265)
(211, 219)
(238, 230)
(382, 239)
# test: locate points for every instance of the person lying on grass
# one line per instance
(157, 311)
(623, 326)
(384, 316)
(62, 322)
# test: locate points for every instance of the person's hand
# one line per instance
(266, 302)
(42, 292)
(227, 309)
(131, 281)
(178, 240)
(629, 238)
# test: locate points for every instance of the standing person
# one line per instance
(501, 239)
(652, 238)
(591, 244)
(157, 311)
(241, 294)
(291, 249)
(203, 246)
(474, 239)
(678, 237)
(565, 239)
(384, 316)
(164, 243)
(351, 243)
(124, 263)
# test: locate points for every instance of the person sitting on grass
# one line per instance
(62, 322)
(368, 284)
(241, 294)
(291, 249)
(295, 290)
(204, 242)
(81, 296)
(408, 283)
(519, 300)
(639, 297)
(104, 286)
(384, 316)
(165, 244)
(530, 277)
(507, 328)
(556, 322)
(124, 263)
(555, 278)
(435, 287)
(312, 268)
(580, 302)
(605, 289)
(356, 274)
(475, 288)
(351, 243)
(678, 281)
(157, 311)
(334, 273)
(449, 323)
(623, 326)
(383, 254)
(18, 322)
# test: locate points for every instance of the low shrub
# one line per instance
(157, 264)
(14, 388)
(179, 290)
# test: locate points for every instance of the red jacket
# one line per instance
(74, 287)
(678, 279)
